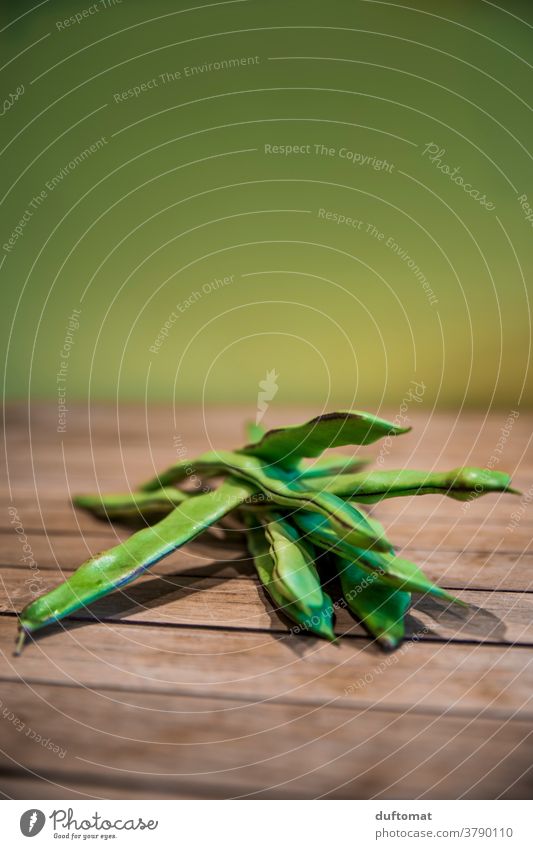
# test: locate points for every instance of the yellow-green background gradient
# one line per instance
(182, 191)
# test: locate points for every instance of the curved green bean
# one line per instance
(320, 622)
(284, 446)
(380, 608)
(124, 507)
(333, 464)
(294, 572)
(283, 489)
(463, 484)
(390, 569)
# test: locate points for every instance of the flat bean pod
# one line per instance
(320, 622)
(286, 445)
(333, 464)
(463, 484)
(391, 570)
(294, 571)
(285, 491)
(125, 562)
(129, 506)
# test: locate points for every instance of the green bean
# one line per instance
(333, 464)
(380, 608)
(294, 571)
(133, 505)
(207, 465)
(462, 484)
(320, 622)
(282, 488)
(122, 564)
(254, 432)
(150, 507)
(390, 569)
(286, 445)
(215, 463)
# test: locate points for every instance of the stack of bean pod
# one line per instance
(302, 518)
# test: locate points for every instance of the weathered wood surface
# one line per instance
(188, 684)
(216, 601)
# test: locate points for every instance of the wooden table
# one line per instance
(187, 684)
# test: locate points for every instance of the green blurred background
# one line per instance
(181, 191)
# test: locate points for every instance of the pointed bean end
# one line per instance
(326, 631)
(151, 486)
(20, 642)
(389, 643)
(83, 500)
(381, 544)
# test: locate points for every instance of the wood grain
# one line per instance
(424, 676)
(221, 601)
(183, 746)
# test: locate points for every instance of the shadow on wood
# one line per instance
(469, 622)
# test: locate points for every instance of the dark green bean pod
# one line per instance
(380, 608)
(390, 569)
(333, 464)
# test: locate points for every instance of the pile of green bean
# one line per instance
(297, 513)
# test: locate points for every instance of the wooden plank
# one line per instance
(55, 511)
(140, 440)
(146, 458)
(422, 676)
(476, 570)
(482, 537)
(68, 551)
(181, 599)
(227, 748)
(104, 418)
(466, 526)
(17, 783)
(435, 442)
(452, 569)
(408, 535)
